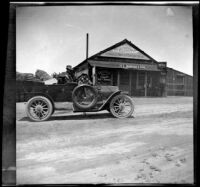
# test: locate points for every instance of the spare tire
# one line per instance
(84, 96)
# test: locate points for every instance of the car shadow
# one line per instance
(81, 117)
(75, 117)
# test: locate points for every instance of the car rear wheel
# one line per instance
(39, 108)
(121, 106)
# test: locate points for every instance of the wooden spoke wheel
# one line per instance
(84, 96)
(39, 108)
(121, 106)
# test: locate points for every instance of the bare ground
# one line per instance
(154, 146)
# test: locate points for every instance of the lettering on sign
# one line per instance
(148, 67)
(162, 64)
(163, 73)
(133, 66)
(103, 76)
(138, 66)
(125, 51)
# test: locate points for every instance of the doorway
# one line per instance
(124, 80)
(143, 83)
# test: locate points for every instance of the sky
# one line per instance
(51, 37)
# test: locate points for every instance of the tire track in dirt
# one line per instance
(97, 149)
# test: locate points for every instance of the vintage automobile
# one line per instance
(40, 99)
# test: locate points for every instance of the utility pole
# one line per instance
(87, 45)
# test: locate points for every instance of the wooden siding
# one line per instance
(179, 84)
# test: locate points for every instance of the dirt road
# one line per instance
(154, 146)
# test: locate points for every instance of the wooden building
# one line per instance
(179, 83)
(128, 67)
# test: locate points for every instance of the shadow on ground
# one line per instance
(75, 117)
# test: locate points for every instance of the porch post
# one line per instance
(136, 79)
(94, 75)
(130, 82)
(118, 78)
(145, 83)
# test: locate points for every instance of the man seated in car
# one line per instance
(70, 77)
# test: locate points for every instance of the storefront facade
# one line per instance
(128, 67)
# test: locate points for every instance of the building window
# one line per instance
(115, 74)
(180, 79)
(149, 81)
(124, 78)
(170, 86)
(140, 80)
(180, 87)
(104, 77)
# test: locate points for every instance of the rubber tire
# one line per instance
(92, 103)
(46, 100)
(53, 111)
(114, 99)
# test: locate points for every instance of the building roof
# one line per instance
(181, 73)
(123, 49)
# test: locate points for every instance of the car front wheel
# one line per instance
(121, 106)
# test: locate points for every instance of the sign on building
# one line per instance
(125, 51)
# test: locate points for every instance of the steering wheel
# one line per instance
(83, 79)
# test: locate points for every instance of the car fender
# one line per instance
(106, 104)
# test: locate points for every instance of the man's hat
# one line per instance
(69, 67)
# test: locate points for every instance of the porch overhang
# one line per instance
(123, 65)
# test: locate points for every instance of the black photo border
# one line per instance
(8, 80)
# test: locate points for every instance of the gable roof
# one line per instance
(137, 52)
(125, 51)
(111, 51)
(180, 72)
